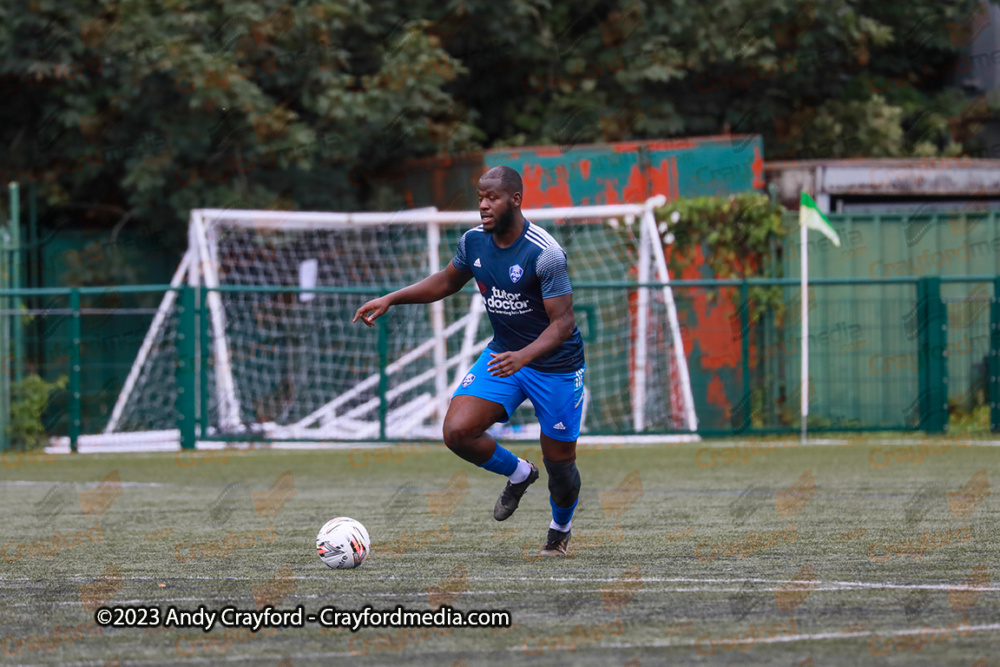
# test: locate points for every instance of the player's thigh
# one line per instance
(469, 414)
(558, 401)
(483, 400)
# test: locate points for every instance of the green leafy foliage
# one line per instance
(977, 421)
(135, 113)
(737, 236)
(30, 396)
(131, 114)
(737, 231)
(795, 72)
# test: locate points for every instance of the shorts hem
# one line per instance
(560, 438)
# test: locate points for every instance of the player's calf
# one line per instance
(468, 441)
(564, 494)
(465, 434)
(564, 488)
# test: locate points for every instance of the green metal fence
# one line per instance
(902, 354)
(896, 354)
(954, 255)
(83, 340)
(10, 323)
(963, 242)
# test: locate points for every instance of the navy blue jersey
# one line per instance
(513, 282)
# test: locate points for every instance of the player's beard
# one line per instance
(503, 222)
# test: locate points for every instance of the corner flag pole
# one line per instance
(804, 384)
(810, 217)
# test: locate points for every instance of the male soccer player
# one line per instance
(536, 351)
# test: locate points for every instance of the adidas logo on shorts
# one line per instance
(560, 426)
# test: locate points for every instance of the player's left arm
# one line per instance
(561, 325)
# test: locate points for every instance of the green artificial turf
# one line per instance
(674, 546)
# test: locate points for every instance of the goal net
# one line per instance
(278, 358)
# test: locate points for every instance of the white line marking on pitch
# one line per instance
(116, 602)
(49, 483)
(731, 585)
(819, 636)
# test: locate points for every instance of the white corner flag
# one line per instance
(810, 216)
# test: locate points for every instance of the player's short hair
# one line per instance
(510, 180)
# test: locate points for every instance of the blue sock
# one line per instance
(562, 515)
(502, 462)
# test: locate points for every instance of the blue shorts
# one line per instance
(557, 397)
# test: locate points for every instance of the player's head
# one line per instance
(500, 191)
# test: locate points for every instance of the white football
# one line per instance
(343, 543)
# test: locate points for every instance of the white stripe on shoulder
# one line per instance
(538, 243)
(477, 229)
(538, 239)
(545, 235)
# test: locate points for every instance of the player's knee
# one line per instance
(564, 482)
(458, 436)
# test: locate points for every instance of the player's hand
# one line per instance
(505, 364)
(372, 310)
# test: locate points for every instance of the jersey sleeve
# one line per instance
(460, 261)
(552, 274)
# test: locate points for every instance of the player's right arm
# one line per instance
(433, 288)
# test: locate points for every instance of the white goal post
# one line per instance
(283, 362)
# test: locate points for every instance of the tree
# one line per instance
(816, 79)
(131, 115)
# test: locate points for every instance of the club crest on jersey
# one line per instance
(516, 272)
(469, 379)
